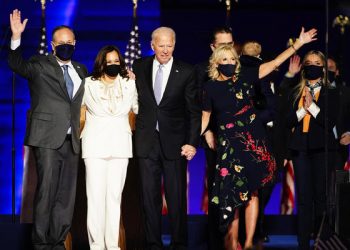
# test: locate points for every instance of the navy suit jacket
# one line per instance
(178, 114)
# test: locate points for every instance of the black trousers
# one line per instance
(55, 195)
(152, 169)
(310, 177)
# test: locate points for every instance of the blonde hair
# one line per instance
(300, 87)
(218, 54)
(251, 48)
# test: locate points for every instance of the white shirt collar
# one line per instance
(70, 65)
(156, 63)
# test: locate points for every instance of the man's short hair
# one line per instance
(219, 30)
(163, 29)
(60, 27)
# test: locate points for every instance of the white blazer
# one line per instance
(107, 131)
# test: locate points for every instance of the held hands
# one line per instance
(17, 26)
(188, 151)
(307, 37)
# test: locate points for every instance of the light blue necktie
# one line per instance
(68, 80)
(158, 84)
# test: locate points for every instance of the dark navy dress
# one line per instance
(244, 161)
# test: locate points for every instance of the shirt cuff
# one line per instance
(289, 75)
(15, 44)
(270, 124)
(313, 109)
(301, 113)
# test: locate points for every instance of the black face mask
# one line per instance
(64, 51)
(227, 70)
(331, 76)
(313, 72)
(113, 70)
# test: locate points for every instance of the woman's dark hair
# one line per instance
(101, 63)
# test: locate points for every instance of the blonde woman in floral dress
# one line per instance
(244, 162)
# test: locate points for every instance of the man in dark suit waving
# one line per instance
(167, 133)
(56, 91)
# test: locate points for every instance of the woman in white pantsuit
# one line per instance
(107, 144)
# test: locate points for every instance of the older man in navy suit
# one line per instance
(167, 133)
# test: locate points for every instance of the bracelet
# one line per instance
(292, 46)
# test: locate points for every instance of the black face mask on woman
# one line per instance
(64, 51)
(313, 72)
(113, 70)
(227, 70)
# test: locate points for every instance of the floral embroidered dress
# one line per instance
(244, 161)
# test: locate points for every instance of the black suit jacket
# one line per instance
(315, 138)
(52, 111)
(178, 113)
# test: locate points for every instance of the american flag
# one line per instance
(133, 49)
(288, 190)
(42, 49)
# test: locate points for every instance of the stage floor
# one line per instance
(283, 242)
(17, 236)
(281, 231)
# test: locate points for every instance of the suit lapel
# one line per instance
(148, 77)
(173, 77)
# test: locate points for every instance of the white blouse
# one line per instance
(107, 131)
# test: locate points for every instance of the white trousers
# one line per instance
(105, 180)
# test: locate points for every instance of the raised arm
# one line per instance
(304, 38)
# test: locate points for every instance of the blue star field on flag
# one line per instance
(133, 49)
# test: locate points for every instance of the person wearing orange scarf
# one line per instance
(311, 127)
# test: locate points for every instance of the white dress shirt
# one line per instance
(73, 75)
(313, 109)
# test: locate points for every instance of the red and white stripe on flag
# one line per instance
(288, 190)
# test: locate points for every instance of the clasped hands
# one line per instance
(188, 151)
(308, 100)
